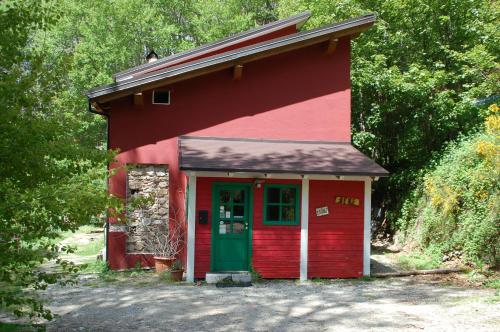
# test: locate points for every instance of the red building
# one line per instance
(248, 141)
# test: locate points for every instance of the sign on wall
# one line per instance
(347, 200)
(322, 211)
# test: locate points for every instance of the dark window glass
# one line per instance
(273, 213)
(288, 213)
(239, 211)
(239, 196)
(273, 195)
(288, 195)
(161, 97)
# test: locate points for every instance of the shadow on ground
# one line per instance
(389, 305)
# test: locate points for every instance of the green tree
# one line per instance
(415, 77)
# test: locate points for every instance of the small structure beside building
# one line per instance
(247, 140)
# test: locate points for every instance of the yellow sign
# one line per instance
(347, 200)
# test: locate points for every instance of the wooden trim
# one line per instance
(191, 228)
(237, 72)
(295, 205)
(367, 227)
(304, 228)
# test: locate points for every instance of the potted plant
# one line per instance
(162, 239)
(176, 271)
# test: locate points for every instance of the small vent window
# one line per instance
(161, 97)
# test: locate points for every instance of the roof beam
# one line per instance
(332, 45)
(138, 99)
(237, 72)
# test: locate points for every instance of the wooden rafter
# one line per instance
(332, 45)
(138, 99)
(237, 72)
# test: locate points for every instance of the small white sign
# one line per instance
(228, 214)
(222, 229)
(322, 211)
(221, 211)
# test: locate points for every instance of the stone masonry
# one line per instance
(150, 182)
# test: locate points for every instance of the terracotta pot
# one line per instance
(176, 275)
(163, 263)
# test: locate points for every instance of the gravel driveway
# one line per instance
(381, 305)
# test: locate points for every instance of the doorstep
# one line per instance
(238, 276)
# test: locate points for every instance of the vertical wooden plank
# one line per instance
(304, 228)
(191, 228)
(367, 227)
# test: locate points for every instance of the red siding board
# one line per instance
(335, 240)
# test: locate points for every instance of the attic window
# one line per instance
(161, 97)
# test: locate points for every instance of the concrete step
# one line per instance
(214, 277)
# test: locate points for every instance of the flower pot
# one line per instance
(163, 263)
(176, 275)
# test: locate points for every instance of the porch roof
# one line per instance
(274, 156)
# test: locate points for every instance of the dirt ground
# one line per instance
(410, 304)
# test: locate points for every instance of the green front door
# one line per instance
(230, 227)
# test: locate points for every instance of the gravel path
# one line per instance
(381, 305)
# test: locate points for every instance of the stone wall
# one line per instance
(147, 181)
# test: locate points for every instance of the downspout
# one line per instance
(106, 227)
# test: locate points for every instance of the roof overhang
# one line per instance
(208, 154)
(230, 59)
(296, 20)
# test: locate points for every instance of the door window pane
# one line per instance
(239, 211)
(239, 196)
(225, 227)
(238, 226)
(225, 196)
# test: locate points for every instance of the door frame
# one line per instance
(249, 187)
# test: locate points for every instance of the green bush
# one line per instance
(456, 206)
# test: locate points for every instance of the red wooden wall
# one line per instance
(335, 240)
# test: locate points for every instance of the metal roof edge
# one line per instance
(229, 56)
(298, 20)
(271, 171)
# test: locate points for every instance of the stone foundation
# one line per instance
(150, 182)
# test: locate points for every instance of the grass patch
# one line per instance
(90, 249)
(16, 327)
(492, 283)
(419, 261)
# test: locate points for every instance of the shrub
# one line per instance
(456, 206)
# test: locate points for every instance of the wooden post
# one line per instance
(138, 99)
(191, 228)
(332, 46)
(237, 72)
(367, 232)
(304, 228)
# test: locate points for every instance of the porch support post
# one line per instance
(191, 228)
(304, 228)
(367, 227)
